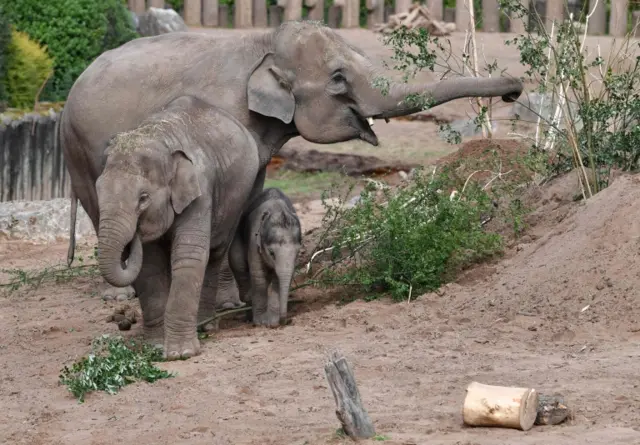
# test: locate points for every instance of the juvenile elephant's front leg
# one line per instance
(263, 311)
(189, 257)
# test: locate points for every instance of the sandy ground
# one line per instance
(516, 321)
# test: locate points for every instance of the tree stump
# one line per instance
(552, 410)
(349, 410)
(508, 407)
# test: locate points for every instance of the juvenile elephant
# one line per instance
(300, 79)
(172, 193)
(263, 254)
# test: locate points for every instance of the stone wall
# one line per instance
(31, 161)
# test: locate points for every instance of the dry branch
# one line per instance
(417, 17)
(507, 407)
(349, 410)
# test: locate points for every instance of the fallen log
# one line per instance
(507, 407)
(349, 410)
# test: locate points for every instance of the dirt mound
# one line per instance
(484, 158)
(574, 272)
(310, 161)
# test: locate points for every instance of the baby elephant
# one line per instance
(264, 252)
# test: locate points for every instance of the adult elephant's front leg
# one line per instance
(189, 257)
(219, 291)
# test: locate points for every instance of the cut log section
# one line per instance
(552, 410)
(349, 410)
(417, 17)
(502, 406)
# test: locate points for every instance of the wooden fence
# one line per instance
(610, 17)
(31, 161)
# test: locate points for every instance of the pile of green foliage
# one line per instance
(28, 67)
(74, 31)
(411, 240)
(113, 363)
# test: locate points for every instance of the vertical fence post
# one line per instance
(555, 12)
(243, 14)
(436, 8)
(375, 12)
(137, 6)
(519, 24)
(490, 16)
(618, 18)
(275, 14)
(292, 9)
(316, 9)
(462, 14)
(156, 4)
(260, 13)
(210, 12)
(192, 12)
(598, 21)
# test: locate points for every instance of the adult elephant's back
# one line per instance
(125, 85)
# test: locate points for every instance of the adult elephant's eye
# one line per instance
(338, 77)
(144, 199)
(272, 253)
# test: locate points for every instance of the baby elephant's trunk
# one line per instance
(285, 273)
(115, 234)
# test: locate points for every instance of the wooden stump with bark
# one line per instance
(349, 410)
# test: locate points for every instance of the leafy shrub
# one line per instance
(28, 66)
(411, 241)
(75, 32)
(112, 364)
(5, 40)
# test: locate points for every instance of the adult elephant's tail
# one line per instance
(73, 212)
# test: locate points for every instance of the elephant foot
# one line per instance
(181, 347)
(267, 319)
(154, 336)
(111, 293)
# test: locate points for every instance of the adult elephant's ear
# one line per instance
(269, 92)
(185, 186)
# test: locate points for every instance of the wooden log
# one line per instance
(316, 9)
(243, 14)
(137, 6)
(260, 14)
(519, 25)
(210, 12)
(402, 6)
(292, 9)
(192, 12)
(635, 16)
(490, 16)
(552, 410)
(375, 13)
(508, 407)
(618, 18)
(462, 15)
(334, 16)
(437, 9)
(349, 410)
(450, 15)
(555, 12)
(156, 4)
(275, 16)
(223, 16)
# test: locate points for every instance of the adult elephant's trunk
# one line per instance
(115, 234)
(394, 102)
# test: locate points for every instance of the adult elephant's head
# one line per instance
(312, 77)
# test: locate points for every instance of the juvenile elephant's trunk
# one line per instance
(284, 282)
(115, 233)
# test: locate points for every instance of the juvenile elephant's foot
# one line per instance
(267, 319)
(111, 293)
(177, 348)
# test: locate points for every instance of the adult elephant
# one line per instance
(300, 79)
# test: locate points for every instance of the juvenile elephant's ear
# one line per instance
(258, 234)
(185, 186)
(268, 92)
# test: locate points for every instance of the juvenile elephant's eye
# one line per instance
(144, 198)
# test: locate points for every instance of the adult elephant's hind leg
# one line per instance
(219, 291)
(152, 286)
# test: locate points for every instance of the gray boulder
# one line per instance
(158, 21)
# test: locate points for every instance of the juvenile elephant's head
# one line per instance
(312, 77)
(141, 189)
(279, 242)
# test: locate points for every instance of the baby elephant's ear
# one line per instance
(185, 186)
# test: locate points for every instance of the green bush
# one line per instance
(5, 40)
(74, 31)
(411, 241)
(28, 67)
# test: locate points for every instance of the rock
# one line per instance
(134, 19)
(466, 128)
(158, 21)
(529, 106)
(42, 221)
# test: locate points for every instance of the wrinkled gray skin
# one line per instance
(263, 254)
(300, 79)
(170, 197)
